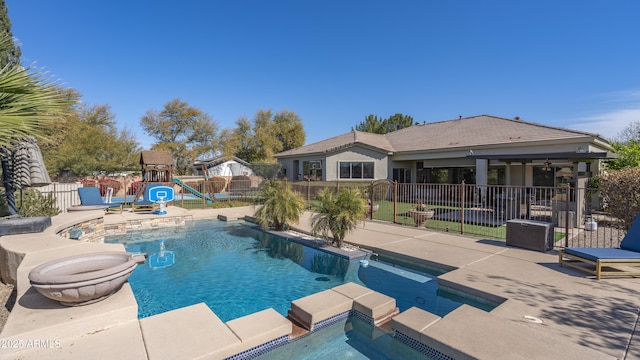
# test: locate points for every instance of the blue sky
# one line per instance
(572, 64)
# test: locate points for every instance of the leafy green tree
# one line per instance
(11, 54)
(281, 205)
(288, 130)
(629, 153)
(338, 213)
(268, 134)
(91, 142)
(240, 142)
(266, 170)
(264, 137)
(371, 124)
(374, 124)
(397, 122)
(185, 131)
(227, 143)
(627, 146)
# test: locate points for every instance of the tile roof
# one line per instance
(335, 143)
(463, 132)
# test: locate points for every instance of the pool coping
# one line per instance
(501, 271)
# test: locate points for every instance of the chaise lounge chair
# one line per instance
(608, 262)
(90, 196)
(145, 204)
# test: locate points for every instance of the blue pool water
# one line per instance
(237, 269)
(348, 339)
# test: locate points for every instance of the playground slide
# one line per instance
(191, 189)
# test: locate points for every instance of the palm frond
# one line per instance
(28, 100)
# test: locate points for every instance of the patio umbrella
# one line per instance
(28, 165)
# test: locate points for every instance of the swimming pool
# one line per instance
(238, 269)
(234, 268)
(351, 338)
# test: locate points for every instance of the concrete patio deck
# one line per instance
(579, 317)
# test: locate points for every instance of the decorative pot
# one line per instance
(420, 216)
(82, 279)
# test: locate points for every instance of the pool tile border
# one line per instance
(261, 349)
(420, 347)
(330, 321)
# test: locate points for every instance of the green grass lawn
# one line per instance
(385, 213)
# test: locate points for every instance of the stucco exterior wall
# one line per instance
(288, 169)
(229, 168)
(380, 160)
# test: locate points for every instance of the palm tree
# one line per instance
(281, 205)
(28, 101)
(338, 213)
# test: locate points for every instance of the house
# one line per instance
(222, 166)
(482, 150)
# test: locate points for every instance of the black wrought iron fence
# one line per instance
(579, 215)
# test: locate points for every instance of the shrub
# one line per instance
(281, 206)
(36, 204)
(338, 213)
(88, 183)
(135, 186)
(215, 185)
(240, 184)
(621, 191)
(109, 183)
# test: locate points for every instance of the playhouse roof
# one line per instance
(153, 157)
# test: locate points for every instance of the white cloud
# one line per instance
(627, 96)
(608, 124)
(624, 109)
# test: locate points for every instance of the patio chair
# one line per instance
(145, 204)
(90, 196)
(608, 262)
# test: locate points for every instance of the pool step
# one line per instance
(377, 307)
(386, 326)
(297, 331)
(400, 272)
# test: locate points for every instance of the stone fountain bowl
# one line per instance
(83, 279)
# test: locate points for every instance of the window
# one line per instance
(496, 176)
(421, 173)
(312, 170)
(403, 176)
(356, 170)
(435, 176)
(543, 176)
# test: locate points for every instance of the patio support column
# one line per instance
(482, 166)
(507, 173)
(580, 188)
